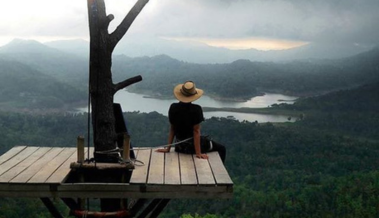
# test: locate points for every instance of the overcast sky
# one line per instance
(263, 24)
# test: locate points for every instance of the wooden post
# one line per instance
(80, 147)
(80, 152)
(126, 147)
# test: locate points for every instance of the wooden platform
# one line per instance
(28, 171)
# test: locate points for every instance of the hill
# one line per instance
(244, 79)
(362, 99)
(239, 80)
(23, 87)
(51, 61)
(352, 113)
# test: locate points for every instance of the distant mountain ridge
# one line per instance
(52, 61)
(22, 86)
(245, 79)
(238, 80)
(195, 52)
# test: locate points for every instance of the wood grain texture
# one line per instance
(187, 170)
(171, 172)
(156, 170)
(203, 171)
(62, 172)
(51, 166)
(140, 172)
(16, 159)
(9, 154)
(219, 171)
(36, 166)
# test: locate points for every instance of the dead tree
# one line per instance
(102, 88)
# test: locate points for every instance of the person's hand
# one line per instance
(202, 156)
(163, 150)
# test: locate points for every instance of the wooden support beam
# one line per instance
(80, 147)
(159, 208)
(102, 166)
(136, 206)
(71, 203)
(145, 213)
(51, 207)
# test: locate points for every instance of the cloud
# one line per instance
(297, 20)
(319, 21)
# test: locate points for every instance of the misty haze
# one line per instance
(291, 88)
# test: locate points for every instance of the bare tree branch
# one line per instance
(120, 31)
(109, 19)
(127, 83)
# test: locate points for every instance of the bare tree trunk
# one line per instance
(102, 88)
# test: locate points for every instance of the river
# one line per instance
(138, 102)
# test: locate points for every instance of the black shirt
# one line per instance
(183, 116)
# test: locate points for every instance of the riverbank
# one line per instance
(266, 111)
(18, 107)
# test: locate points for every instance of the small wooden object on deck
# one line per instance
(126, 147)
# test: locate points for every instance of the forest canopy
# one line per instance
(310, 168)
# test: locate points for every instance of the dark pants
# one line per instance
(206, 145)
(220, 149)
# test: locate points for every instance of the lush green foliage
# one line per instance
(353, 112)
(324, 165)
(42, 130)
(287, 170)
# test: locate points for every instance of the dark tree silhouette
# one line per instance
(102, 88)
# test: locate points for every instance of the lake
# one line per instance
(139, 102)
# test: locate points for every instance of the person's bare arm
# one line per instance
(171, 135)
(196, 139)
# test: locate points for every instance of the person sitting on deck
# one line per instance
(185, 119)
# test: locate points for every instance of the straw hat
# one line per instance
(187, 92)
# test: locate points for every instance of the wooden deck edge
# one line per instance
(114, 191)
(161, 195)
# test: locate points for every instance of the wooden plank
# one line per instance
(36, 166)
(50, 167)
(185, 188)
(150, 191)
(121, 190)
(140, 172)
(136, 195)
(93, 186)
(17, 159)
(62, 172)
(187, 170)
(9, 154)
(102, 166)
(156, 169)
(219, 172)
(12, 173)
(171, 172)
(111, 190)
(203, 171)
